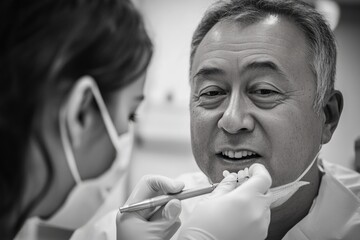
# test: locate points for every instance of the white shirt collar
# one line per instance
(335, 213)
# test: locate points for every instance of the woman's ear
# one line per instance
(79, 110)
(332, 111)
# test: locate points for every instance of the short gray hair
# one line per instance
(322, 47)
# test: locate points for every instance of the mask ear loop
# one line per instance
(69, 155)
(301, 176)
(308, 168)
(109, 125)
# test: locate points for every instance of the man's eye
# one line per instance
(265, 92)
(212, 93)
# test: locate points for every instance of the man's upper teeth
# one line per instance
(239, 154)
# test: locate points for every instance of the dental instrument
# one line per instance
(163, 199)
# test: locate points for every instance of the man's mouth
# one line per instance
(238, 155)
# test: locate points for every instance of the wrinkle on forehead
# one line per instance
(281, 32)
(273, 39)
(244, 42)
(247, 47)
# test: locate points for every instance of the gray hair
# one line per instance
(322, 47)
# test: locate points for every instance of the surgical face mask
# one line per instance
(95, 197)
(75, 211)
(281, 194)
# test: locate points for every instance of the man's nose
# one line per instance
(236, 117)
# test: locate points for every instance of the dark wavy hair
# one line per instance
(45, 46)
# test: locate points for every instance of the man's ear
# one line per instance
(332, 111)
(80, 110)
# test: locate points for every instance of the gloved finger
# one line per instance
(259, 171)
(170, 212)
(165, 185)
(226, 185)
(168, 221)
(259, 181)
(150, 186)
(117, 224)
(172, 229)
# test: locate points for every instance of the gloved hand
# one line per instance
(232, 212)
(146, 224)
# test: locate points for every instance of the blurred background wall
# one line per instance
(163, 133)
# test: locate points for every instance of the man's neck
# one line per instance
(286, 216)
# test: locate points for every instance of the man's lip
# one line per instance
(224, 155)
(237, 164)
(220, 150)
(235, 149)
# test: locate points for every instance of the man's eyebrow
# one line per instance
(264, 65)
(208, 71)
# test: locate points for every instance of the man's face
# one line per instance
(252, 94)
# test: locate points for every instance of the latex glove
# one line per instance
(146, 224)
(232, 212)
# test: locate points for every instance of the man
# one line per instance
(262, 91)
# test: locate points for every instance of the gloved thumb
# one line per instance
(169, 212)
(168, 221)
(259, 181)
(226, 185)
(172, 210)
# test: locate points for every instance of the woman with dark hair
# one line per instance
(72, 75)
(69, 70)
